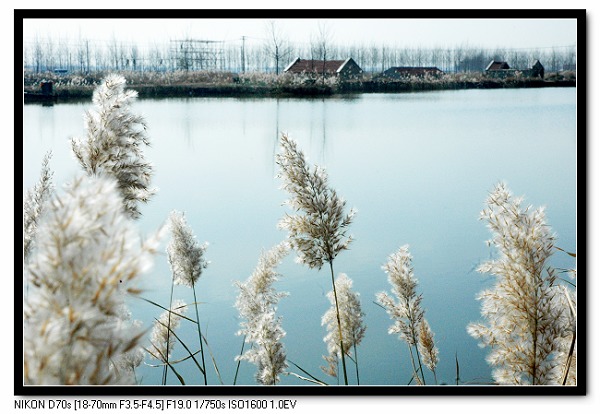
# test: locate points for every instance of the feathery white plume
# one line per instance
(88, 258)
(162, 338)
(257, 304)
(33, 206)
(186, 255)
(318, 231)
(114, 143)
(527, 319)
(407, 312)
(427, 347)
(351, 318)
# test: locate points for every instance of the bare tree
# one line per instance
(570, 57)
(459, 53)
(446, 59)
(436, 55)
(100, 59)
(87, 56)
(321, 44)
(277, 45)
(80, 53)
(418, 55)
(113, 53)
(49, 55)
(155, 58)
(553, 60)
(375, 59)
(61, 52)
(38, 54)
(134, 57)
(384, 57)
(122, 55)
(517, 59)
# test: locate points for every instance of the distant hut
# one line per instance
(345, 69)
(496, 69)
(400, 72)
(537, 70)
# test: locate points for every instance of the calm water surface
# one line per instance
(417, 167)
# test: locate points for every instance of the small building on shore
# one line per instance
(403, 72)
(495, 65)
(501, 70)
(344, 69)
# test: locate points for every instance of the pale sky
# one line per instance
(395, 31)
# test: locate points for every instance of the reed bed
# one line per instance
(181, 83)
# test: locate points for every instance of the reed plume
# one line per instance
(34, 205)
(126, 363)
(257, 305)
(352, 323)
(527, 322)
(318, 229)
(407, 313)
(162, 339)
(88, 258)
(114, 143)
(186, 258)
(567, 353)
(427, 347)
(185, 253)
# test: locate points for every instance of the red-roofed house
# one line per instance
(495, 65)
(497, 69)
(342, 68)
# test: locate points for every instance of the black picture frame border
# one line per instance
(348, 391)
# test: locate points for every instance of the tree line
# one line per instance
(271, 54)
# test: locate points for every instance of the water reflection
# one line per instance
(277, 134)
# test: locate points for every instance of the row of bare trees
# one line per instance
(271, 53)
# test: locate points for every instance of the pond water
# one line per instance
(417, 167)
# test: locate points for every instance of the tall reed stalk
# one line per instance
(427, 348)
(351, 321)
(168, 336)
(407, 313)
(186, 258)
(162, 340)
(317, 230)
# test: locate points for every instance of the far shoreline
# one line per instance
(154, 86)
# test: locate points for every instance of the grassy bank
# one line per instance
(224, 84)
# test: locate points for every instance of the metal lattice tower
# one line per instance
(197, 54)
